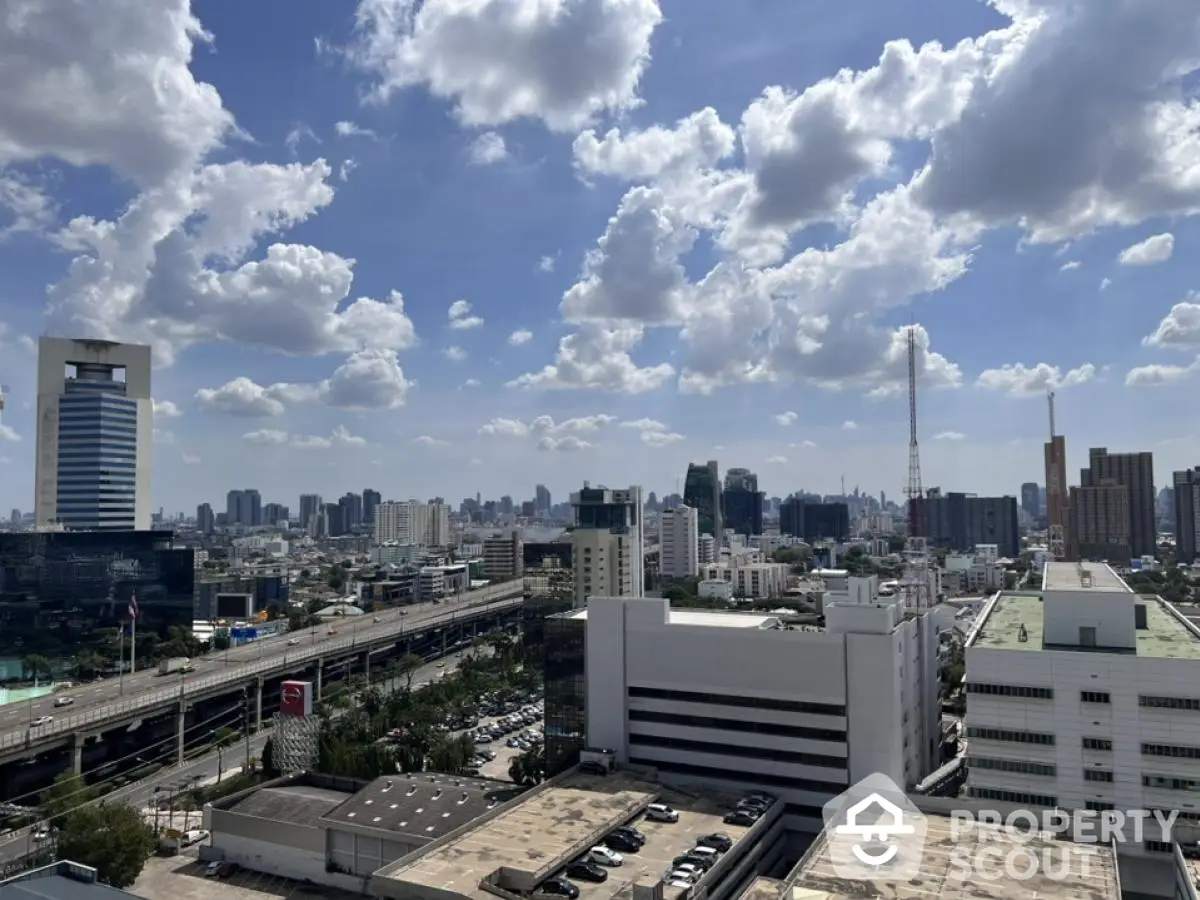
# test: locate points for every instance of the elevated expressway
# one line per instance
(116, 703)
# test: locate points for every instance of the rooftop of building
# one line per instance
(536, 837)
(62, 880)
(707, 618)
(1064, 871)
(297, 804)
(1164, 637)
(425, 806)
(1071, 576)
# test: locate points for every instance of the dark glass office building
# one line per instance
(566, 686)
(65, 592)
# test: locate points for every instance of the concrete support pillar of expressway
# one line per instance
(258, 694)
(77, 740)
(180, 729)
(317, 680)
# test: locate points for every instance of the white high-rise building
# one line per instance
(412, 522)
(1084, 695)
(607, 551)
(95, 434)
(738, 700)
(679, 542)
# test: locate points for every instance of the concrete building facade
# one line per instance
(1084, 696)
(606, 543)
(739, 700)
(679, 542)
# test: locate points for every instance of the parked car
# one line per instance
(605, 857)
(590, 767)
(228, 870)
(718, 841)
(690, 859)
(622, 842)
(587, 871)
(213, 868)
(660, 812)
(741, 817)
(560, 887)
(683, 876)
(630, 831)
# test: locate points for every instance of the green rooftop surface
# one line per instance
(1164, 637)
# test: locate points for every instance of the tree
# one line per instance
(337, 578)
(528, 768)
(295, 622)
(89, 664)
(67, 792)
(35, 665)
(268, 759)
(409, 663)
(111, 838)
(221, 641)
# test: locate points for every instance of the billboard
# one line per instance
(296, 698)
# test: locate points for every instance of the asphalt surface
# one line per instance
(17, 717)
(139, 794)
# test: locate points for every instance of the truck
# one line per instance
(174, 664)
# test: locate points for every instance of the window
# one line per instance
(1020, 766)
(794, 731)
(798, 706)
(1169, 750)
(1094, 697)
(1091, 743)
(1158, 847)
(1099, 806)
(1189, 703)
(1087, 636)
(727, 774)
(1098, 775)
(727, 749)
(1010, 736)
(1011, 690)
(1019, 797)
(1169, 783)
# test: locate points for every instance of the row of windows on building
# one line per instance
(1043, 693)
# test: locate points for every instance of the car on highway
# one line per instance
(42, 720)
(293, 642)
(64, 701)
(332, 631)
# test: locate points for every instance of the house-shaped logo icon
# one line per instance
(889, 823)
(873, 831)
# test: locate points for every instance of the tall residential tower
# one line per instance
(95, 431)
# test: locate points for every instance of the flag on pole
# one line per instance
(133, 606)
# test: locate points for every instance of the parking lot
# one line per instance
(182, 878)
(498, 767)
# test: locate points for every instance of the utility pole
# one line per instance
(246, 724)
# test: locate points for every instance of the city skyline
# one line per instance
(344, 258)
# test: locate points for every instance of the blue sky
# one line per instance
(730, 237)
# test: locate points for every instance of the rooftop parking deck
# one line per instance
(1065, 871)
(537, 838)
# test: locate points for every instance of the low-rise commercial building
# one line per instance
(337, 832)
(516, 848)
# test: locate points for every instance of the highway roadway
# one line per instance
(18, 843)
(16, 718)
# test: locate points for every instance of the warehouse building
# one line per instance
(336, 831)
(513, 850)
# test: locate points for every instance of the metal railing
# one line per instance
(471, 605)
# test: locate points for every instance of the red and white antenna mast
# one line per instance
(917, 577)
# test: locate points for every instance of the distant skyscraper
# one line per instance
(95, 433)
(1031, 499)
(205, 519)
(702, 492)
(607, 552)
(310, 506)
(541, 499)
(679, 543)
(371, 499)
(1187, 515)
(1134, 472)
(742, 502)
